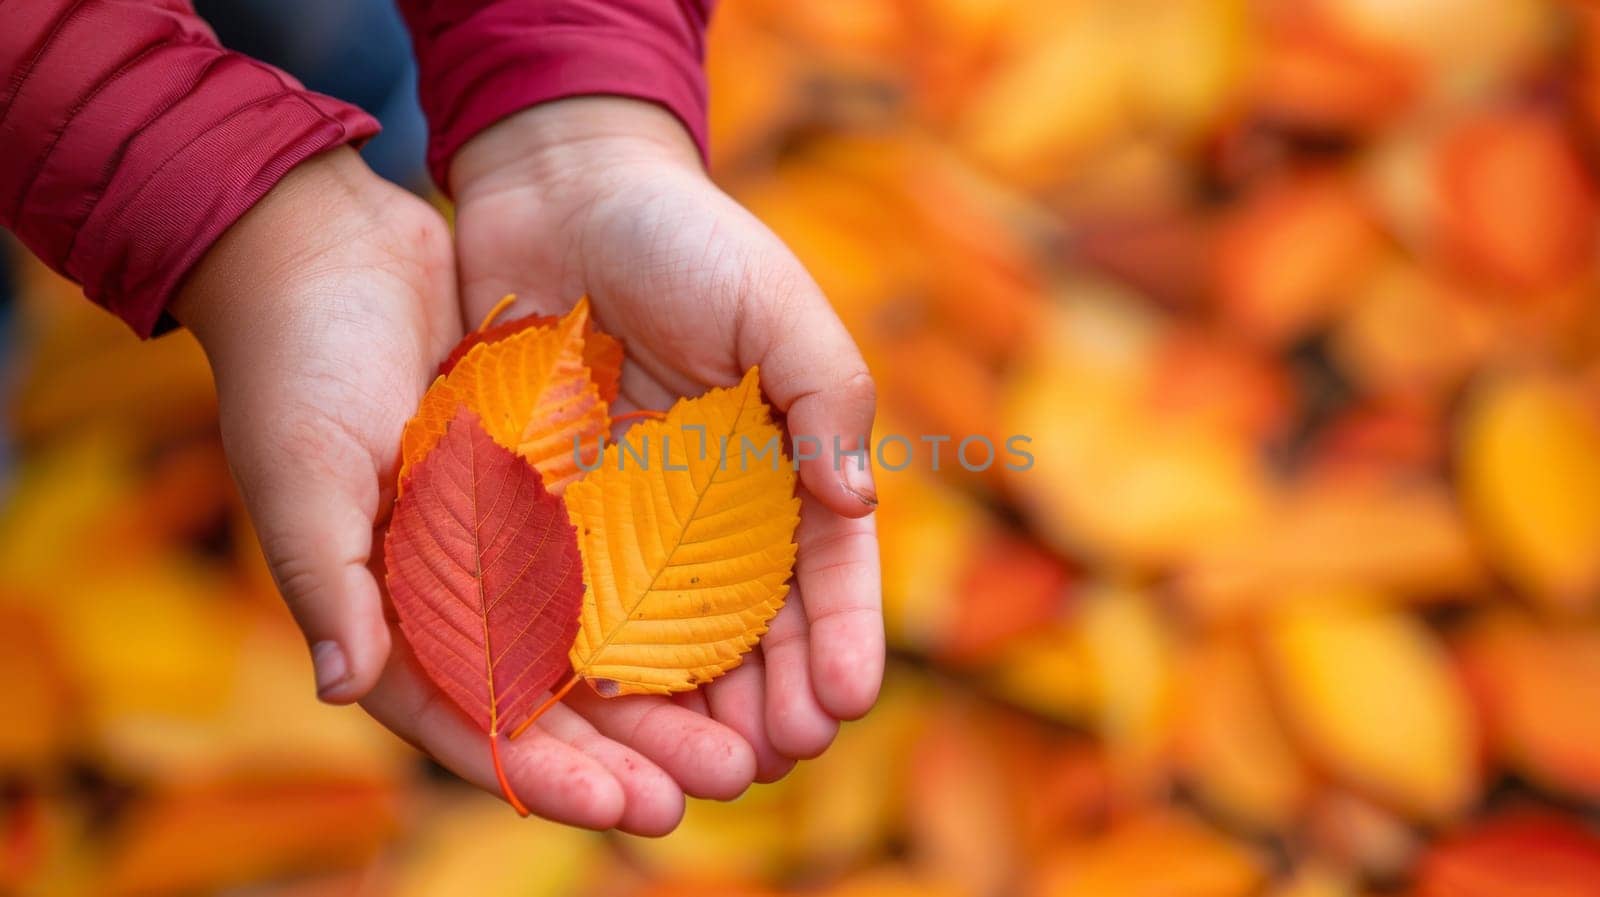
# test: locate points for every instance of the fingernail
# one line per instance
(858, 482)
(332, 668)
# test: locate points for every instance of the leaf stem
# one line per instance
(500, 774)
(502, 305)
(549, 702)
(641, 414)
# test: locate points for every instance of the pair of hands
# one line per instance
(324, 312)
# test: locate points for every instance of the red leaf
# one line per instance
(602, 352)
(1512, 856)
(484, 571)
(491, 334)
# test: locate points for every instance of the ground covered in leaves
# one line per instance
(1296, 300)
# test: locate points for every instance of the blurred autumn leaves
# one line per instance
(1297, 302)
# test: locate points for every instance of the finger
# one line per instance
(640, 390)
(705, 757)
(738, 701)
(837, 573)
(795, 721)
(313, 498)
(812, 371)
(652, 802)
(554, 779)
(693, 700)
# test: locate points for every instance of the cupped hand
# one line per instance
(607, 197)
(324, 312)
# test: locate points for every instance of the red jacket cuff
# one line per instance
(483, 61)
(170, 204)
(134, 140)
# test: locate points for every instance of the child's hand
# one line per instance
(606, 197)
(324, 311)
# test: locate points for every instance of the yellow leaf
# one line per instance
(56, 511)
(471, 845)
(1119, 473)
(1530, 468)
(1402, 537)
(687, 550)
(1053, 100)
(149, 646)
(1049, 672)
(1130, 658)
(746, 839)
(1373, 696)
(846, 804)
(270, 723)
(927, 532)
(1207, 41)
(83, 367)
(532, 392)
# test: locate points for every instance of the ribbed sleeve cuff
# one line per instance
(506, 57)
(133, 141)
(187, 179)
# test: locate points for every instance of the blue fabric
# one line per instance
(356, 50)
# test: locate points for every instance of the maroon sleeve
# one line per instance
(481, 60)
(130, 140)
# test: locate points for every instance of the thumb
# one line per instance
(315, 528)
(812, 371)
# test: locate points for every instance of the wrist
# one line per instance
(556, 142)
(322, 202)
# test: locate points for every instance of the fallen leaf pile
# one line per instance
(1296, 300)
(505, 560)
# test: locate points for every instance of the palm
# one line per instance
(342, 338)
(699, 291)
(645, 255)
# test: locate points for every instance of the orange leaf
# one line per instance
(1010, 587)
(1286, 257)
(532, 392)
(1154, 855)
(1538, 685)
(483, 568)
(213, 836)
(960, 819)
(1230, 745)
(36, 708)
(1315, 76)
(1517, 204)
(602, 352)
